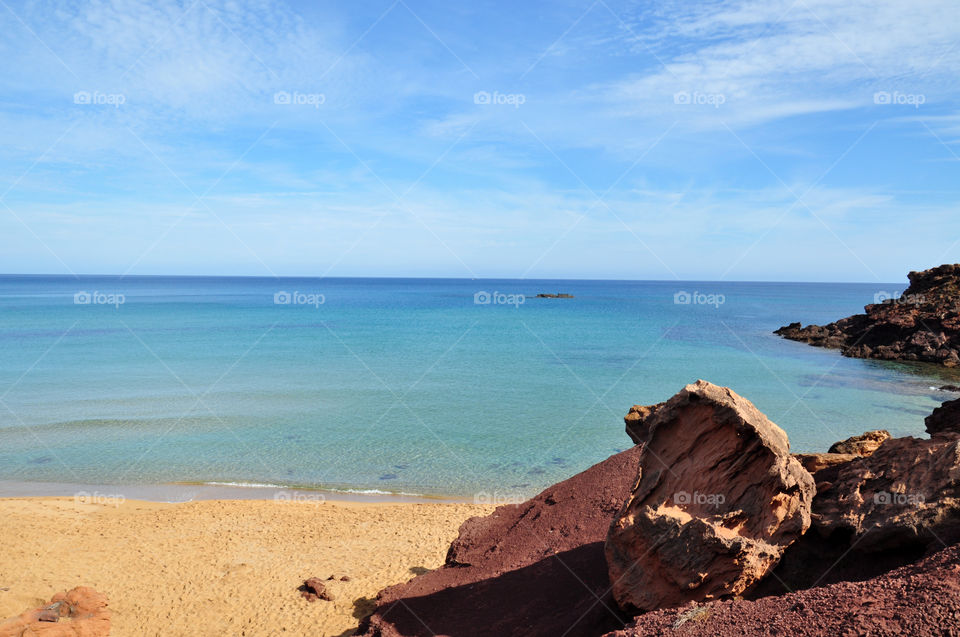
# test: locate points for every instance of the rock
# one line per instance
(717, 500)
(862, 445)
(918, 599)
(945, 418)
(905, 495)
(314, 589)
(635, 420)
(83, 609)
(817, 462)
(529, 569)
(950, 388)
(923, 324)
(558, 295)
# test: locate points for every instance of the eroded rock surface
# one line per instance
(862, 445)
(904, 495)
(919, 599)
(717, 500)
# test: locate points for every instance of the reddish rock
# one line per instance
(923, 324)
(817, 462)
(81, 612)
(314, 589)
(862, 445)
(531, 569)
(635, 420)
(717, 500)
(919, 599)
(906, 494)
(944, 419)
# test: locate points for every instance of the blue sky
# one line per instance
(772, 140)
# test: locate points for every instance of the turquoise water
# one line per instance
(405, 385)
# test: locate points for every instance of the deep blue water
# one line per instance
(405, 384)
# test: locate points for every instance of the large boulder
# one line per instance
(906, 494)
(944, 419)
(718, 498)
(533, 568)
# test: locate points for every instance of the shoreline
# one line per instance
(182, 492)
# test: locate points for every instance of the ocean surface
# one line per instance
(416, 386)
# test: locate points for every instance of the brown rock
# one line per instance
(945, 418)
(717, 500)
(81, 612)
(635, 420)
(314, 589)
(862, 445)
(817, 462)
(918, 599)
(907, 494)
(531, 569)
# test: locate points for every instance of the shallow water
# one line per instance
(405, 385)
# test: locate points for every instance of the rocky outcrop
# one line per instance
(863, 445)
(944, 419)
(923, 324)
(635, 421)
(905, 495)
(919, 599)
(818, 462)
(81, 612)
(717, 499)
(530, 569)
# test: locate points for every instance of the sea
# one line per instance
(473, 389)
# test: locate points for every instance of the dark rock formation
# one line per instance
(717, 500)
(81, 612)
(919, 599)
(945, 418)
(531, 569)
(558, 295)
(921, 325)
(863, 445)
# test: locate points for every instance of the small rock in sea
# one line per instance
(314, 589)
(953, 388)
(558, 295)
(389, 476)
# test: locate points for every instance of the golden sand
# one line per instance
(220, 567)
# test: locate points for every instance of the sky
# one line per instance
(805, 140)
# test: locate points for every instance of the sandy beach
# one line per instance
(219, 567)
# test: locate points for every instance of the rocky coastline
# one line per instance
(922, 324)
(709, 525)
